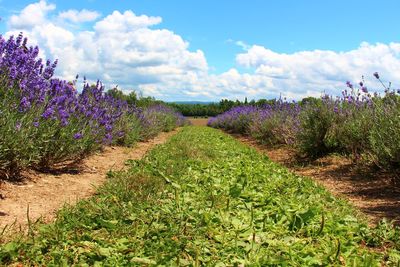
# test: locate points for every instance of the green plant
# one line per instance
(204, 199)
(316, 120)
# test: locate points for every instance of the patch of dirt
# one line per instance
(198, 121)
(370, 191)
(45, 193)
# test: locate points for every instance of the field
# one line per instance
(204, 198)
(96, 177)
(45, 193)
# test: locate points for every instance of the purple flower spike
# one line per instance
(78, 136)
(348, 83)
(364, 89)
(376, 74)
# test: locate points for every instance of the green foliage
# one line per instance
(314, 137)
(213, 109)
(351, 129)
(277, 126)
(264, 131)
(384, 135)
(132, 128)
(131, 98)
(198, 110)
(204, 199)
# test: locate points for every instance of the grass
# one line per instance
(205, 199)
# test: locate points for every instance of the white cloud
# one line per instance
(119, 49)
(122, 48)
(77, 16)
(308, 72)
(31, 15)
(125, 22)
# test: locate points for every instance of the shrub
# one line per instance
(45, 121)
(353, 123)
(316, 119)
(276, 123)
(236, 120)
(158, 118)
(384, 137)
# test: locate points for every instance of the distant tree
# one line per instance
(116, 93)
(132, 98)
(310, 100)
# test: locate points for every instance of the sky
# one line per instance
(207, 50)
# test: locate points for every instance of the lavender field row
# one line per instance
(45, 121)
(362, 125)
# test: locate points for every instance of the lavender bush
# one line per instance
(236, 120)
(384, 134)
(315, 137)
(45, 121)
(158, 118)
(276, 123)
(363, 125)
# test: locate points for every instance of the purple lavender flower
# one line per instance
(108, 127)
(78, 136)
(348, 83)
(376, 74)
(18, 126)
(364, 89)
(48, 113)
(25, 104)
(107, 138)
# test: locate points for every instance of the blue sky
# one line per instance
(239, 36)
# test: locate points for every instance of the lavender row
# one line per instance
(45, 121)
(363, 125)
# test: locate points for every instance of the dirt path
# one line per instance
(46, 193)
(372, 193)
(198, 121)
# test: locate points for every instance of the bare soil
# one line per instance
(371, 191)
(42, 193)
(198, 121)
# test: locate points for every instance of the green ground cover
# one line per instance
(205, 199)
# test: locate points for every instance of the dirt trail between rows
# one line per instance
(371, 192)
(47, 193)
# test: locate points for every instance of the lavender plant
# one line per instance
(384, 137)
(158, 118)
(363, 125)
(236, 120)
(276, 123)
(45, 121)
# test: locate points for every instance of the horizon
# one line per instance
(207, 51)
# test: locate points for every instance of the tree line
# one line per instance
(195, 109)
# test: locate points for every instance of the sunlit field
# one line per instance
(212, 133)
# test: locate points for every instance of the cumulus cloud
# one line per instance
(119, 49)
(323, 70)
(78, 16)
(123, 48)
(31, 15)
(126, 21)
